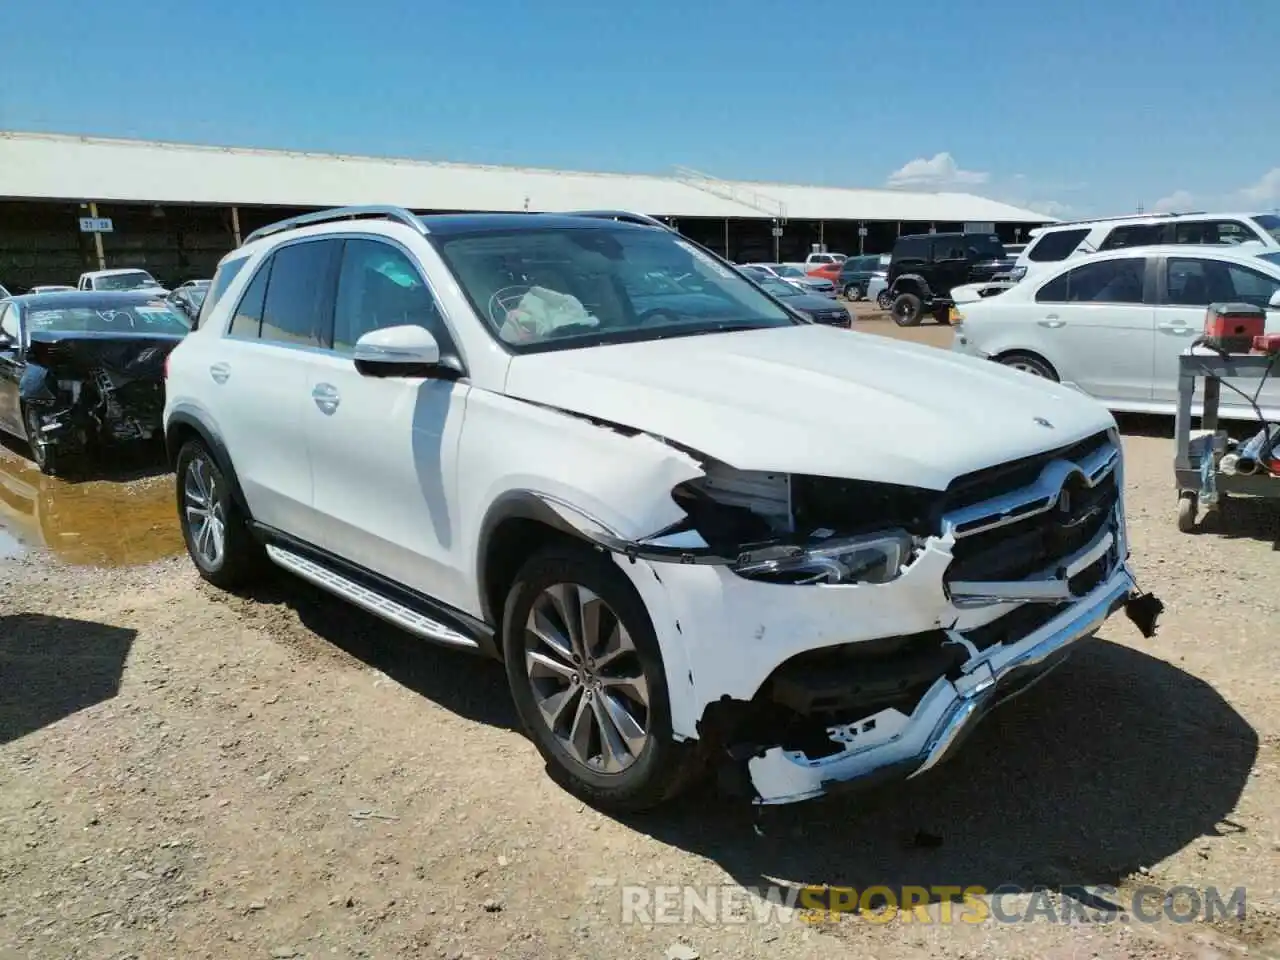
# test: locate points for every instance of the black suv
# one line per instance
(926, 267)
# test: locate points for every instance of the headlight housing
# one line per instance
(874, 558)
(1017, 273)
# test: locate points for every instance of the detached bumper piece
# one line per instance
(893, 745)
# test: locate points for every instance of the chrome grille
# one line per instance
(1071, 499)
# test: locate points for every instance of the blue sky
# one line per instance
(1089, 107)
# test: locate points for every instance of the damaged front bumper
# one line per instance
(891, 745)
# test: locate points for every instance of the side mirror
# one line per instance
(1274, 302)
(6, 341)
(403, 351)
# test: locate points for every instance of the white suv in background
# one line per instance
(1114, 324)
(655, 508)
(1060, 241)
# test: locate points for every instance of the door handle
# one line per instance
(326, 397)
(1052, 322)
(1179, 328)
(220, 372)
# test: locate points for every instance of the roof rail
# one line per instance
(622, 215)
(399, 214)
(1123, 216)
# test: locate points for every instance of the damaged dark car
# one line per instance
(82, 371)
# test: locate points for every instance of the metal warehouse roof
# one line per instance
(49, 166)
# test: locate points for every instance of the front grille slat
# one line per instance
(1001, 544)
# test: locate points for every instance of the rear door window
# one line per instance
(299, 305)
(1213, 232)
(1132, 235)
(1104, 281)
(1056, 245)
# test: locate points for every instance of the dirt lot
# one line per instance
(189, 774)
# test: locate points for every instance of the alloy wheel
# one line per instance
(202, 504)
(587, 679)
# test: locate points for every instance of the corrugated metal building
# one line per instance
(176, 208)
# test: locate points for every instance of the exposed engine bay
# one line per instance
(81, 389)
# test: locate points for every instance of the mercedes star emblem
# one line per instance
(1043, 422)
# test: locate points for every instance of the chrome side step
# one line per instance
(375, 603)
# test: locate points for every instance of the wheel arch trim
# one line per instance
(184, 419)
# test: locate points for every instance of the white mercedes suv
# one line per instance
(697, 528)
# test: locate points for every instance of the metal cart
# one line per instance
(1191, 450)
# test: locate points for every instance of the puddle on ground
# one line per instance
(10, 546)
(98, 523)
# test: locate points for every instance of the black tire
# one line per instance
(1030, 363)
(662, 766)
(884, 301)
(242, 557)
(906, 310)
(47, 458)
(943, 317)
(853, 293)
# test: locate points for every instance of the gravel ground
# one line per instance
(188, 773)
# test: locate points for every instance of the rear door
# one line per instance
(1098, 324)
(1187, 286)
(260, 376)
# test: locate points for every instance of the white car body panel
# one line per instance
(1125, 355)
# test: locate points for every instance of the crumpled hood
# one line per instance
(816, 400)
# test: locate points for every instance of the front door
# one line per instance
(384, 450)
(1098, 324)
(11, 366)
(1188, 285)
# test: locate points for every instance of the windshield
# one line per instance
(1272, 257)
(561, 288)
(156, 317)
(125, 281)
(795, 272)
(1270, 223)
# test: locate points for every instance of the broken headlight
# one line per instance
(875, 558)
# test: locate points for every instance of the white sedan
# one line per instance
(1114, 324)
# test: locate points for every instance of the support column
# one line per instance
(97, 237)
(822, 234)
(726, 239)
(235, 224)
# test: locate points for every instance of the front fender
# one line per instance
(38, 384)
(184, 419)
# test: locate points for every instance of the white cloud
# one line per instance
(939, 172)
(1050, 208)
(1178, 200)
(1265, 191)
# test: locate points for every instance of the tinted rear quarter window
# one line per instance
(1056, 245)
(248, 317)
(912, 248)
(227, 271)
